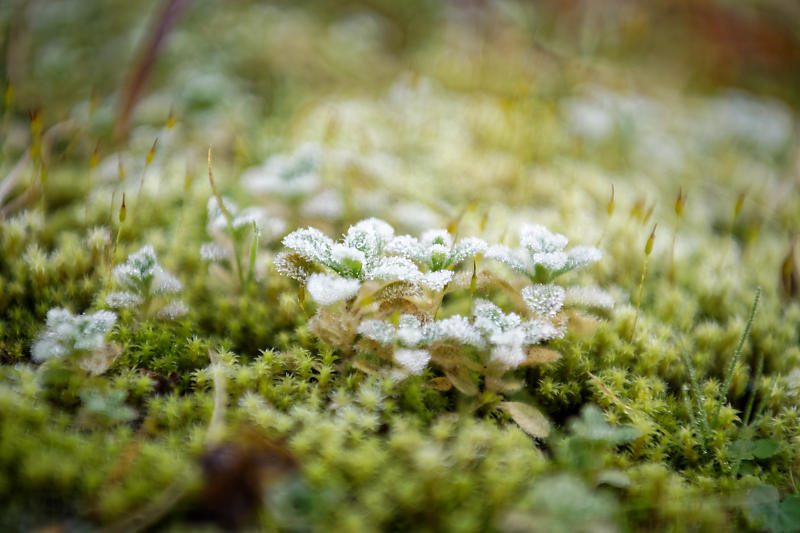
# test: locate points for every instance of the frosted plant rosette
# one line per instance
(542, 255)
(505, 337)
(407, 277)
(370, 252)
(145, 284)
(81, 337)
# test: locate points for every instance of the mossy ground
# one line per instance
(492, 115)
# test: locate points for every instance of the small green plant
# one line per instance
(146, 287)
(381, 295)
(76, 338)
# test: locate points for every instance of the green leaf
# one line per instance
(765, 448)
(530, 419)
(764, 509)
(741, 450)
(745, 450)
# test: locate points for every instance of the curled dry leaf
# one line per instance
(441, 384)
(582, 325)
(98, 361)
(528, 418)
(461, 380)
(538, 355)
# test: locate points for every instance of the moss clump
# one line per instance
(254, 381)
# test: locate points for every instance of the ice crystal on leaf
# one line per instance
(405, 280)
(507, 334)
(212, 251)
(328, 289)
(593, 297)
(66, 334)
(544, 300)
(311, 244)
(123, 299)
(435, 249)
(142, 279)
(414, 361)
(542, 255)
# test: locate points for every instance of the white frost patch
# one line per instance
(327, 289)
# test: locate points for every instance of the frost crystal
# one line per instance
(414, 361)
(544, 299)
(438, 280)
(166, 282)
(292, 265)
(212, 251)
(123, 299)
(588, 297)
(67, 334)
(143, 278)
(138, 271)
(173, 310)
(393, 268)
(369, 236)
(377, 330)
(435, 249)
(311, 244)
(542, 254)
(455, 328)
(508, 335)
(327, 289)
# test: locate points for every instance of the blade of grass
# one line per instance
(729, 376)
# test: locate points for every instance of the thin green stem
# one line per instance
(639, 296)
(229, 220)
(253, 250)
(756, 379)
(698, 397)
(732, 366)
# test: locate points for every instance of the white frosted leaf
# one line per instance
(550, 260)
(437, 280)
(211, 251)
(466, 248)
(369, 236)
(165, 282)
(512, 258)
(123, 299)
(311, 244)
(414, 361)
(544, 300)
(327, 289)
(377, 330)
(588, 297)
(406, 246)
(393, 269)
(287, 175)
(65, 333)
(581, 256)
(409, 330)
(538, 239)
(173, 310)
(439, 237)
(456, 328)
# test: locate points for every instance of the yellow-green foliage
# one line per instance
(255, 408)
